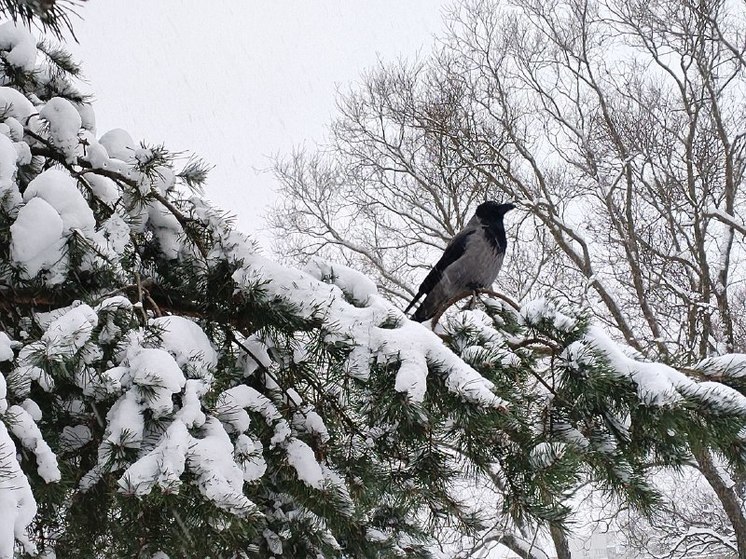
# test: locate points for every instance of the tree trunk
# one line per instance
(561, 543)
(727, 496)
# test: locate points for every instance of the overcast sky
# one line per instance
(237, 82)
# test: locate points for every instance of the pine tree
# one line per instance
(165, 390)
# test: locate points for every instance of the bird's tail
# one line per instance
(426, 310)
(436, 303)
(413, 302)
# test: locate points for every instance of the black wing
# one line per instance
(453, 252)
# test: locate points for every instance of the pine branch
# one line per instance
(194, 174)
(52, 15)
(159, 299)
(183, 221)
(61, 58)
(313, 382)
(50, 153)
(474, 293)
(549, 347)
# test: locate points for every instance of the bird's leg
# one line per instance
(473, 301)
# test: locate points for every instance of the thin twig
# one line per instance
(139, 298)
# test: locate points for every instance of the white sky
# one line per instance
(238, 81)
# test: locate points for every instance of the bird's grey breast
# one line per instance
(479, 265)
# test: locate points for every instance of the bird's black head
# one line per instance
(492, 211)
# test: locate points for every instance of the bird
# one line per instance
(470, 262)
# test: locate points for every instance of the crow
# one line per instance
(470, 262)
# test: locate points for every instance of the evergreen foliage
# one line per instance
(165, 389)
(52, 15)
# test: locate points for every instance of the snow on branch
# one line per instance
(379, 331)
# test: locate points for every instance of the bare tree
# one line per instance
(617, 126)
(690, 522)
(625, 141)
